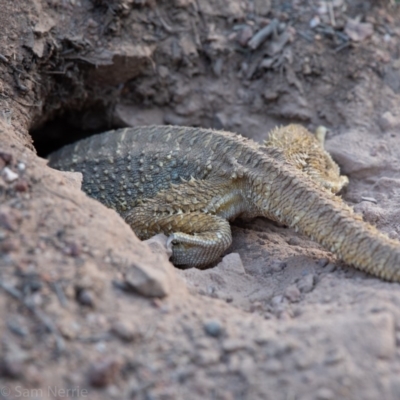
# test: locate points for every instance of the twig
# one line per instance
(305, 36)
(342, 46)
(331, 13)
(166, 26)
(263, 34)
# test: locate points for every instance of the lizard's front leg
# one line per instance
(193, 215)
(197, 239)
(210, 236)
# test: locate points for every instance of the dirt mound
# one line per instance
(89, 311)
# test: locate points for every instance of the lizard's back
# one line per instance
(122, 167)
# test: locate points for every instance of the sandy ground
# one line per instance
(86, 309)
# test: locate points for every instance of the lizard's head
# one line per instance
(306, 152)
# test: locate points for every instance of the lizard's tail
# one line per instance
(326, 219)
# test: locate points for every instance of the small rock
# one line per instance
(277, 300)
(163, 71)
(278, 266)
(6, 158)
(34, 376)
(9, 175)
(91, 23)
(306, 284)
(220, 120)
(12, 369)
(294, 241)
(292, 293)
(9, 245)
(388, 121)
(68, 328)
(159, 245)
(213, 328)
(21, 166)
(262, 7)
(207, 357)
(244, 35)
(22, 186)
(269, 95)
(325, 394)
(358, 31)
(104, 372)
(315, 21)
(85, 298)
(72, 179)
(148, 280)
(232, 263)
(73, 249)
(124, 331)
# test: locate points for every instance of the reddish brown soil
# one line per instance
(86, 309)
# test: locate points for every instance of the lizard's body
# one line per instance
(188, 182)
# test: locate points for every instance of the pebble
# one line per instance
(213, 328)
(69, 328)
(148, 280)
(231, 263)
(292, 293)
(358, 31)
(277, 300)
(103, 373)
(124, 331)
(315, 21)
(278, 266)
(22, 186)
(207, 357)
(6, 158)
(8, 245)
(158, 245)
(294, 241)
(86, 298)
(9, 175)
(325, 394)
(12, 369)
(388, 121)
(73, 249)
(306, 284)
(244, 35)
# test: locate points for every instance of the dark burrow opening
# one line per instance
(69, 127)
